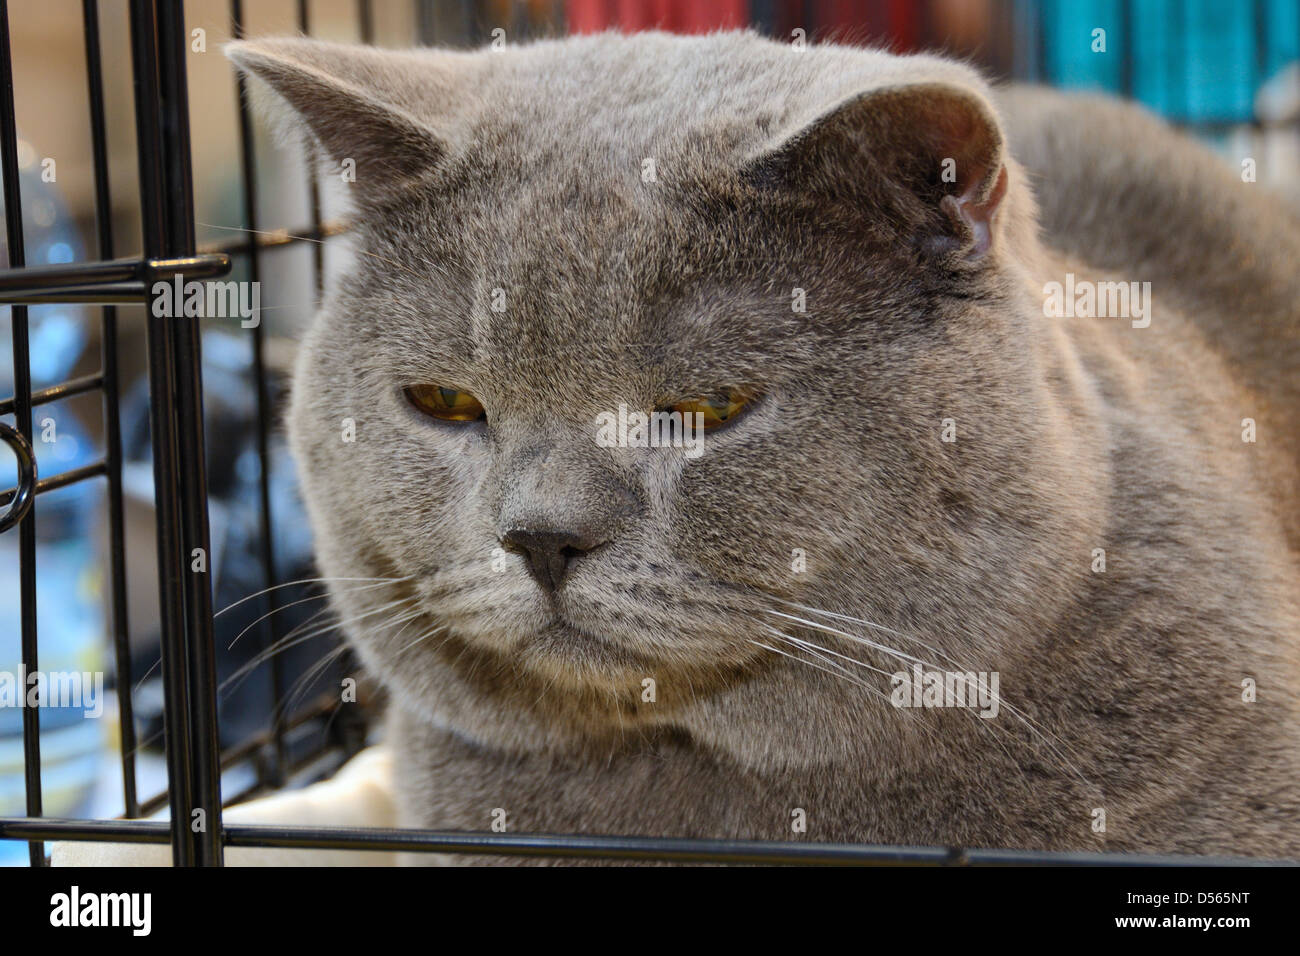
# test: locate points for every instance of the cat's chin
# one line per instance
(566, 651)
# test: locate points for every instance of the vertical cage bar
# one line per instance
(426, 22)
(160, 133)
(1041, 74)
(112, 419)
(23, 415)
(366, 21)
(317, 248)
(1126, 38)
(1259, 41)
(201, 663)
(162, 425)
(270, 629)
(469, 17)
(1028, 23)
(1176, 68)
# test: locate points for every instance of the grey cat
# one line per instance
(831, 260)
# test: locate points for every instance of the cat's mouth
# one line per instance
(613, 631)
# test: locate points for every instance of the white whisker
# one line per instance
(289, 584)
(283, 607)
(1048, 738)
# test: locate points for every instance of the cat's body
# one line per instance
(775, 170)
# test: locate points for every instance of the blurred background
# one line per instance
(1227, 71)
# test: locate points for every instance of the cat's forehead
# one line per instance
(587, 241)
(642, 100)
(598, 272)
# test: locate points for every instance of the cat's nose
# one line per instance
(548, 553)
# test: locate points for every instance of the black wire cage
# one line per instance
(197, 754)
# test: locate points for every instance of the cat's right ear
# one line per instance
(925, 159)
(355, 102)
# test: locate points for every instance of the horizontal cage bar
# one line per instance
(116, 281)
(667, 849)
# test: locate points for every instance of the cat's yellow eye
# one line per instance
(447, 404)
(717, 409)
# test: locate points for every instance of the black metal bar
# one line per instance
(116, 281)
(84, 831)
(23, 415)
(20, 498)
(674, 849)
(683, 850)
(1259, 39)
(1176, 66)
(1042, 72)
(201, 664)
(76, 386)
(426, 22)
(470, 22)
(61, 480)
(118, 621)
(269, 631)
(313, 187)
(18, 281)
(187, 847)
(366, 21)
(121, 293)
(1126, 48)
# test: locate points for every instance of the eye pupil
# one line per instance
(722, 408)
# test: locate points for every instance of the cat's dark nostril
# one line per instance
(548, 553)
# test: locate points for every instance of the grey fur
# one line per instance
(522, 171)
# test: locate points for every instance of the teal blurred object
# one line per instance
(1194, 61)
(70, 618)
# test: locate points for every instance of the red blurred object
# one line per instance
(716, 15)
(896, 23)
(892, 23)
(905, 25)
(588, 16)
(679, 16)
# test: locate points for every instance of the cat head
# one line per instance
(818, 252)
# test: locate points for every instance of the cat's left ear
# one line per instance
(930, 155)
(360, 104)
